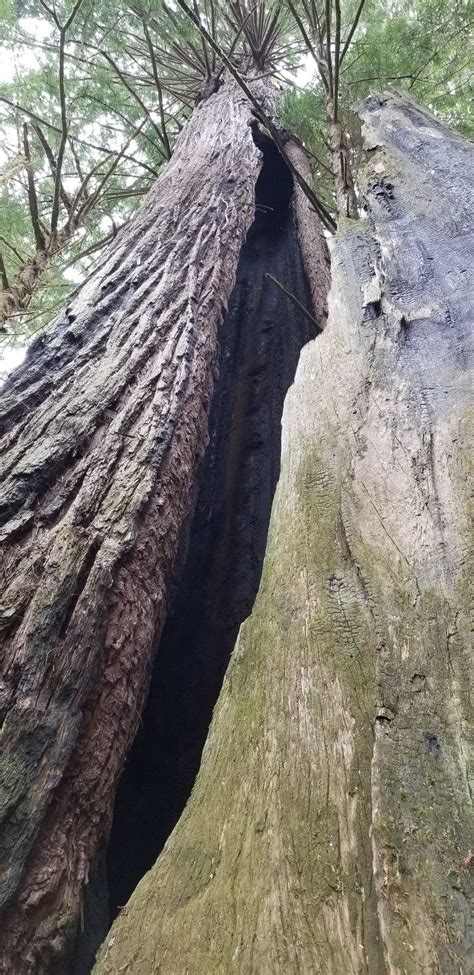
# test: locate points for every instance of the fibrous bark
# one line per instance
(103, 429)
(329, 827)
(260, 341)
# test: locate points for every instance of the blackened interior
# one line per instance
(260, 342)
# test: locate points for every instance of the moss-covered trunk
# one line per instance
(329, 830)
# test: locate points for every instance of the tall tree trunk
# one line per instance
(103, 429)
(328, 830)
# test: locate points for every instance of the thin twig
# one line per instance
(32, 197)
(352, 31)
(294, 299)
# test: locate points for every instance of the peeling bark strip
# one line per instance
(329, 831)
(103, 427)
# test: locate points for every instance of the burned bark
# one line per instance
(103, 429)
(260, 341)
(329, 827)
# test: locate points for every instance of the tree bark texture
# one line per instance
(260, 342)
(329, 830)
(103, 429)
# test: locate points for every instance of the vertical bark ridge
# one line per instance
(104, 426)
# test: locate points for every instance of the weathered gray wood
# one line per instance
(103, 428)
(330, 830)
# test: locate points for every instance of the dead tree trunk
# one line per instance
(328, 831)
(103, 429)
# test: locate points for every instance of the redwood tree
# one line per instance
(330, 827)
(342, 722)
(103, 428)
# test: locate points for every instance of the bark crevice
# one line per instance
(259, 344)
(102, 437)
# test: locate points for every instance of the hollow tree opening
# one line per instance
(260, 341)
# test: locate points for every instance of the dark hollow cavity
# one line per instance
(260, 342)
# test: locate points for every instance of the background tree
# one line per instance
(131, 75)
(425, 48)
(92, 136)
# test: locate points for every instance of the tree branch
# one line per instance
(52, 164)
(3, 274)
(204, 48)
(62, 144)
(352, 31)
(309, 44)
(92, 248)
(21, 258)
(92, 200)
(328, 48)
(72, 138)
(32, 197)
(133, 93)
(64, 123)
(337, 48)
(377, 77)
(158, 89)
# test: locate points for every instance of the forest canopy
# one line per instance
(93, 97)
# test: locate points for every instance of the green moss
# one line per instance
(286, 785)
